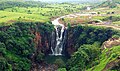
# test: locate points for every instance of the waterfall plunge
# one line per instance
(57, 42)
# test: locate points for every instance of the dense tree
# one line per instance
(10, 4)
(88, 35)
(83, 58)
(16, 45)
(2, 49)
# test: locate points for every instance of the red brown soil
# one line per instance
(37, 39)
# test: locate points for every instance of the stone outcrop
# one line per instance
(111, 42)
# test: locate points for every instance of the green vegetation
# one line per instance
(62, 69)
(8, 18)
(12, 11)
(84, 57)
(12, 3)
(17, 45)
(110, 4)
(89, 34)
(87, 42)
(26, 35)
(107, 56)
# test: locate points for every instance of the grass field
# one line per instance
(41, 14)
(49, 10)
(9, 17)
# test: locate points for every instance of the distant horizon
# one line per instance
(70, 0)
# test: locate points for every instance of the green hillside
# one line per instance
(110, 4)
(11, 3)
(107, 60)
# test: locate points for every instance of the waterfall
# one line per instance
(58, 38)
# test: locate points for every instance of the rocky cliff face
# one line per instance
(42, 42)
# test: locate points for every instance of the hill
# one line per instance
(110, 4)
(109, 60)
(76, 1)
(12, 3)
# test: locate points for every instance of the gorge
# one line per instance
(36, 52)
(37, 35)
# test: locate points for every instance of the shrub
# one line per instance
(60, 63)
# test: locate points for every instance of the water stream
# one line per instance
(58, 37)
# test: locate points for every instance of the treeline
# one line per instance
(10, 4)
(84, 58)
(88, 35)
(110, 4)
(17, 45)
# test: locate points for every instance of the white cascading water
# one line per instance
(60, 29)
(58, 41)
